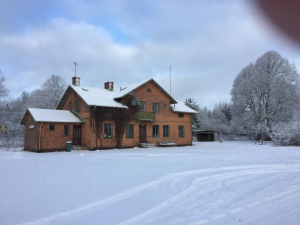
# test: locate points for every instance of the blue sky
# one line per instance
(207, 43)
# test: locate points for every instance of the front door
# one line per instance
(77, 135)
(142, 134)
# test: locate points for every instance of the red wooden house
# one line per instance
(103, 118)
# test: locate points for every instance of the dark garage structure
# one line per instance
(207, 135)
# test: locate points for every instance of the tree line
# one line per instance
(265, 104)
(12, 111)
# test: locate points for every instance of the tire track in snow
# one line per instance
(223, 173)
(197, 188)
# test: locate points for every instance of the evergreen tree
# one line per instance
(195, 120)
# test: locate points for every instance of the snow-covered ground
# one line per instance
(208, 183)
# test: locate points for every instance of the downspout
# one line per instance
(191, 130)
(40, 136)
(92, 131)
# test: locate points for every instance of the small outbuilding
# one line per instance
(207, 135)
(49, 130)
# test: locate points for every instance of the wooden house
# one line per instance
(104, 118)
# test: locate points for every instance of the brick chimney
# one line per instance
(109, 86)
(76, 81)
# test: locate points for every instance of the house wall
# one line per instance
(149, 93)
(55, 140)
(165, 116)
(84, 113)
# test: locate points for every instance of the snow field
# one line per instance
(208, 183)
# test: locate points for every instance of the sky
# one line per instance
(206, 43)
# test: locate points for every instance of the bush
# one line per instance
(11, 140)
(286, 134)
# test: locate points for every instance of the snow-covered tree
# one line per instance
(204, 119)
(193, 105)
(53, 88)
(47, 97)
(286, 134)
(265, 93)
(3, 90)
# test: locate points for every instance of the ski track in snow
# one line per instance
(198, 187)
(245, 186)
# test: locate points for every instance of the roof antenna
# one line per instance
(76, 64)
(170, 80)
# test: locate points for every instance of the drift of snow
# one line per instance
(208, 183)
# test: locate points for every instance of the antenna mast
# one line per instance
(170, 80)
(76, 64)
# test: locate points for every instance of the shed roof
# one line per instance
(51, 115)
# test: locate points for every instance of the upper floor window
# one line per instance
(108, 130)
(70, 106)
(108, 110)
(142, 106)
(181, 115)
(155, 107)
(78, 106)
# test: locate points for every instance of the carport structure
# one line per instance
(207, 135)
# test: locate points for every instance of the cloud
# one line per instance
(207, 43)
(42, 52)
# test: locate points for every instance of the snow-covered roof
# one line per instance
(51, 115)
(135, 86)
(129, 88)
(103, 97)
(98, 96)
(181, 107)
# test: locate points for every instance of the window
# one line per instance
(155, 108)
(181, 131)
(129, 131)
(108, 110)
(108, 130)
(166, 131)
(142, 106)
(180, 115)
(30, 127)
(70, 106)
(155, 132)
(52, 127)
(165, 106)
(149, 90)
(78, 106)
(67, 130)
